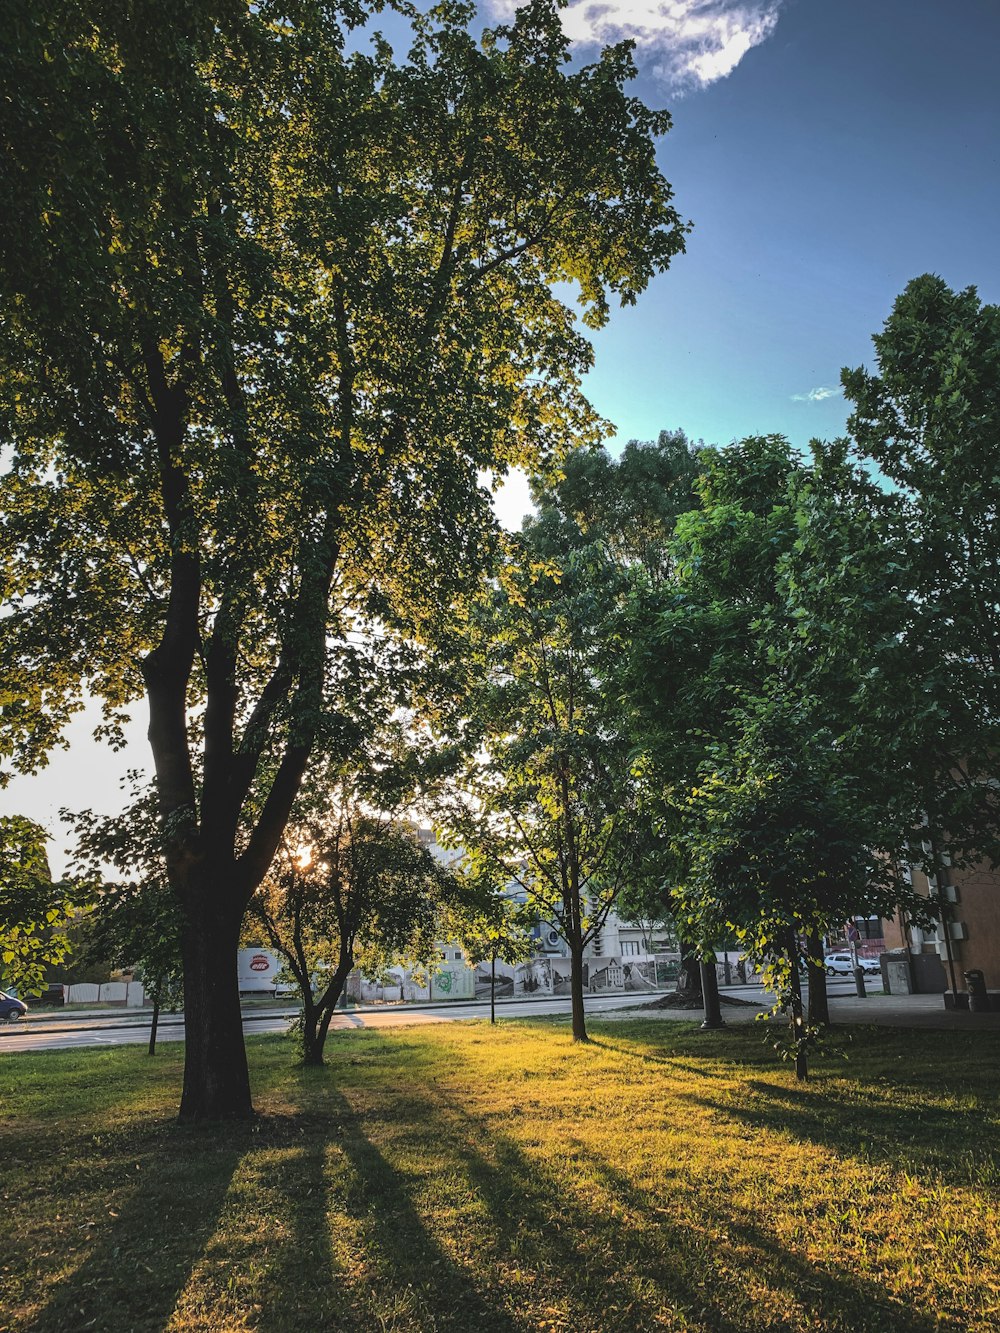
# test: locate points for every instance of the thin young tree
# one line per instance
(138, 927)
(493, 927)
(547, 799)
(349, 888)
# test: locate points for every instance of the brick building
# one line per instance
(966, 936)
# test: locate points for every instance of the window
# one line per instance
(631, 948)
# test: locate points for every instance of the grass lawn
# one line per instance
(453, 1177)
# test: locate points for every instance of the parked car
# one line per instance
(11, 1008)
(842, 964)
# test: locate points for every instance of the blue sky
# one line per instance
(853, 148)
(827, 151)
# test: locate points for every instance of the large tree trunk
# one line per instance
(710, 995)
(216, 1079)
(819, 1000)
(314, 1039)
(493, 989)
(689, 977)
(576, 992)
(153, 1023)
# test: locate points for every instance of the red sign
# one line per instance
(260, 963)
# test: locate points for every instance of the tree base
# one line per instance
(211, 1116)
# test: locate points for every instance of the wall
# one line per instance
(978, 908)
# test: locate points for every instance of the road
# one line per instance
(124, 1031)
(56, 1031)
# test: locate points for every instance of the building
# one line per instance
(966, 935)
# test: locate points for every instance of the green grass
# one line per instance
(457, 1178)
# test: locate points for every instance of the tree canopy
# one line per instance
(274, 298)
(927, 418)
(754, 753)
(35, 912)
(547, 798)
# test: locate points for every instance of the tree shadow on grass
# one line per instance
(164, 1191)
(530, 1229)
(745, 1047)
(868, 1125)
(378, 1265)
(651, 1057)
(306, 1286)
(587, 1250)
(826, 1296)
(619, 1258)
(270, 1264)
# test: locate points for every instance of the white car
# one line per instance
(842, 964)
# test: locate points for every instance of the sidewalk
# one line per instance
(898, 1011)
(909, 1011)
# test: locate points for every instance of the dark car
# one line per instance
(11, 1008)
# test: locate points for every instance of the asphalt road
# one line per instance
(55, 1031)
(109, 1032)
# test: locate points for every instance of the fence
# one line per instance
(129, 993)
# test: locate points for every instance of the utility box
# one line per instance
(928, 974)
(897, 974)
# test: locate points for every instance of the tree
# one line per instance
(647, 900)
(555, 809)
(546, 799)
(349, 888)
(928, 421)
(493, 927)
(746, 695)
(136, 923)
(272, 303)
(693, 643)
(138, 927)
(628, 505)
(777, 847)
(35, 913)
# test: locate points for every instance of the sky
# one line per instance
(853, 147)
(826, 154)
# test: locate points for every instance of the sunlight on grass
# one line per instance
(456, 1178)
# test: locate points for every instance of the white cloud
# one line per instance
(816, 395)
(693, 42)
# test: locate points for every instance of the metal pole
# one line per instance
(934, 889)
(859, 975)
